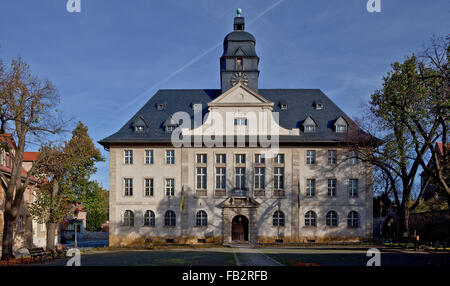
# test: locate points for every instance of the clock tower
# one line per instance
(239, 62)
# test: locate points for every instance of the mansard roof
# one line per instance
(301, 105)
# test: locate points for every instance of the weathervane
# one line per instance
(239, 12)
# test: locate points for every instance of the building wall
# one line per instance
(183, 171)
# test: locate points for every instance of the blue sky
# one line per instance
(108, 60)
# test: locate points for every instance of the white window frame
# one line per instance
(279, 159)
(332, 187)
(278, 178)
(240, 121)
(353, 188)
(332, 157)
(128, 157)
(201, 158)
(240, 158)
(240, 180)
(310, 157)
(149, 157)
(221, 158)
(149, 187)
(169, 187)
(201, 173)
(221, 178)
(353, 157)
(170, 157)
(260, 159)
(310, 187)
(260, 178)
(128, 187)
(149, 218)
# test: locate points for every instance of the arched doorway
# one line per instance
(239, 228)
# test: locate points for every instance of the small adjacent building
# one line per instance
(260, 166)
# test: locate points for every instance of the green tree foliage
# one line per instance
(95, 202)
(67, 169)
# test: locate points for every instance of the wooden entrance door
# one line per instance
(239, 228)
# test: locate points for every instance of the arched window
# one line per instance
(353, 219)
(128, 218)
(310, 218)
(201, 218)
(332, 218)
(278, 218)
(170, 218)
(149, 218)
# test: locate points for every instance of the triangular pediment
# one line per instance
(240, 95)
(239, 52)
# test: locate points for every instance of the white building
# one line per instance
(306, 185)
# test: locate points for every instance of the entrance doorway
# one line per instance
(239, 228)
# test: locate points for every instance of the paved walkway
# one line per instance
(247, 256)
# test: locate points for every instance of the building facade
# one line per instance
(237, 164)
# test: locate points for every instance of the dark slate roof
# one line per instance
(300, 101)
(239, 36)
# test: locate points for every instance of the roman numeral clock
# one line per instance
(239, 77)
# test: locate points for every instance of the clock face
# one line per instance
(239, 77)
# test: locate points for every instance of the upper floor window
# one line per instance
(353, 188)
(283, 106)
(332, 157)
(341, 124)
(278, 218)
(221, 158)
(278, 178)
(260, 179)
(170, 187)
(353, 157)
(310, 157)
(149, 218)
(170, 218)
(240, 158)
(128, 185)
(240, 121)
(201, 158)
(201, 218)
(170, 128)
(260, 159)
(19, 223)
(170, 157)
(201, 178)
(139, 129)
(353, 219)
(128, 218)
(220, 178)
(240, 178)
(128, 155)
(148, 187)
(279, 159)
(148, 157)
(310, 218)
(331, 187)
(310, 187)
(332, 218)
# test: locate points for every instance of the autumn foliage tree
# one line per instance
(67, 169)
(27, 111)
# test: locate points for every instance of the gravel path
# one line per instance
(246, 256)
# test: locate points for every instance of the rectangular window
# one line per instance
(201, 158)
(310, 128)
(240, 121)
(42, 226)
(240, 158)
(128, 184)
(353, 157)
(201, 178)
(353, 188)
(170, 157)
(278, 178)
(170, 187)
(279, 159)
(260, 178)
(220, 178)
(240, 178)
(310, 187)
(148, 157)
(332, 155)
(239, 64)
(128, 154)
(331, 187)
(149, 187)
(310, 157)
(221, 158)
(259, 159)
(341, 128)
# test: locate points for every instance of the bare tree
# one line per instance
(28, 112)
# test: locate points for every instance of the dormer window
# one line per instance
(170, 128)
(341, 125)
(283, 105)
(160, 106)
(310, 128)
(309, 125)
(140, 125)
(318, 105)
(170, 124)
(341, 128)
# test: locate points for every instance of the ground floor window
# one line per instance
(332, 218)
(201, 219)
(149, 218)
(310, 218)
(353, 219)
(278, 218)
(128, 218)
(170, 218)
